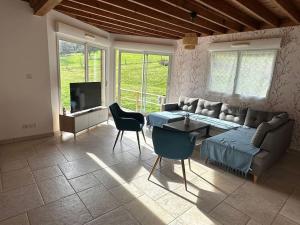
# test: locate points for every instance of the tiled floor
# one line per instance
(61, 181)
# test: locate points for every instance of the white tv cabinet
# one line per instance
(79, 121)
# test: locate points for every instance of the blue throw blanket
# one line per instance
(232, 149)
(158, 119)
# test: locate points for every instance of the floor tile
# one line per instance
(109, 178)
(17, 220)
(20, 151)
(281, 220)
(253, 222)
(17, 178)
(84, 182)
(67, 211)
(79, 167)
(55, 188)
(224, 181)
(119, 216)
(98, 200)
(19, 200)
(156, 187)
(259, 202)
(36, 163)
(195, 216)
(126, 193)
(291, 208)
(175, 203)
(204, 195)
(13, 165)
(227, 215)
(148, 212)
(47, 173)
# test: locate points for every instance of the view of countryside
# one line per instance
(143, 77)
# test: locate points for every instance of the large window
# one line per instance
(141, 80)
(244, 73)
(78, 62)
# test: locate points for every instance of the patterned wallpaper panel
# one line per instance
(190, 74)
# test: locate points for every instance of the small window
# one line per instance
(244, 73)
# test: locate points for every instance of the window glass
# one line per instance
(223, 69)
(244, 73)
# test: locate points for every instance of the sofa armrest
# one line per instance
(170, 107)
(278, 140)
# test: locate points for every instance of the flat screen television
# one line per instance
(85, 95)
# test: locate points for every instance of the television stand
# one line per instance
(82, 120)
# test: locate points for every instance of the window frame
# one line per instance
(236, 77)
(86, 74)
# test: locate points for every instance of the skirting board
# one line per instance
(26, 138)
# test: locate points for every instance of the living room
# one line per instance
(150, 112)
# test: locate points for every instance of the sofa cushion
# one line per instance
(255, 117)
(233, 113)
(278, 120)
(260, 133)
(187, 104)
(208, 108)
(265, 127)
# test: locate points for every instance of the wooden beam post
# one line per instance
(42, 7)
(290, 9)
(260, 11)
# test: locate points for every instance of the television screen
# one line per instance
(85, 95)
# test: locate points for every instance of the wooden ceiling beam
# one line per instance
(260, 11)
(204, 12)
(108, 14)
(42, 7)
(116, 30)
(232, 12)
(290, 9)
(112, 24)
(141, 10)
(165, 8)
(103, 19)
(114, 10)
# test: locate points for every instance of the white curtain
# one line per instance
(222, 71)
(242, 73)
(255, 73)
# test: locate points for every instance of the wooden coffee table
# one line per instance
(194, 126)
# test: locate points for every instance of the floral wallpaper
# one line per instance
(190, 74)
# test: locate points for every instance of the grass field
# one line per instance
(72, 70)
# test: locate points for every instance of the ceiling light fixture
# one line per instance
(190, 40)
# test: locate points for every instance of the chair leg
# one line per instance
(122, 135)
(160, 161)
(189, 159)
(154, 166)
(116, 140)
(183, 171)
(138, 139)
(144, 136)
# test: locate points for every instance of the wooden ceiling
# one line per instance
(172, 18)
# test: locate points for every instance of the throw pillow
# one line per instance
(260, 133)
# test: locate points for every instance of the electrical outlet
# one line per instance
(29, 125)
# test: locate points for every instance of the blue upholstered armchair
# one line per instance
(127, 121)
(172, 145)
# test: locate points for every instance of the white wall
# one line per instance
(28, 49)
(23, 50)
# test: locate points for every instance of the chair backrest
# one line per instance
(115, 112)
(172, 144)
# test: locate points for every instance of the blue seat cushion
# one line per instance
(232, 149)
